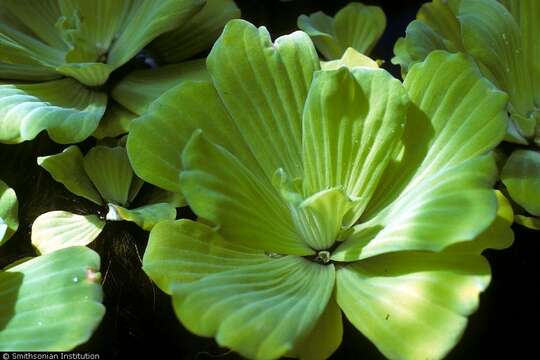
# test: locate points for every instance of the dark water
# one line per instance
(139, 318)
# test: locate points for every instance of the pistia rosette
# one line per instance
(503, 38)
(357, 26)
(103, 176)
(48, 303)
(322, 192)
(57, 57)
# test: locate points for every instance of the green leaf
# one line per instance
(213, 280)
(528, 221)
(67, 168)
(264, 87)
(439, 182)
(356, 25)
(56, 230)
(318, 218)
(521, 176)
(184, 251)
(157, 138)
(351, 128)
(109, 170)
(140, 88)
(525, 12)
(196, 34)
(89, 74)
(449, 207)
(259, 311)
(146, 20)
(146, 216)
(9, 208)
(320, 28)
(39, 16)
(412, 305)
(26, 72)
(498, 235)
(116, 122)
(351, 59)
(492, 36)
(436, 28)
(52, 302)
(248, 210)
(67, 110)
(325, 337)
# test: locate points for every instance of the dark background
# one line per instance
(139, 318)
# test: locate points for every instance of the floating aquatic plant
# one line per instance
(356, 25)
(322, 192)
(57, 58)
(502, 37)
(50, 302)
(103, 176)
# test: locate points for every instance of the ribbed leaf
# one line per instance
(498, 235)
(528, 221)
(264, 87)
(146, 216)
(412, 305)
(197, 34)
(90, 74)
(356, 25)
(260, 311)
(50, 303)
(157, 138)
(67, 168)
(320, 28)
(351, 128)
(39, 16)
(110, 172)
(359, 26)
(117, 121)
(9, 219)
(439, 183)
(68, 111)
(526, 13)
(140, 88)
(492, 36)
(247, 209)
(146, 20)
(56, 230)
(436, 28)
(521, 176)
(325, 337)
(184, 251)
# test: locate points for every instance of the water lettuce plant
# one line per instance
(103, 176)
(321, 193)
(9, 207)
(57, 57)
(50, 302)
(502, 38)
(356, 25)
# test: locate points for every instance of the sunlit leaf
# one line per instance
(56, 230)
(412, 305)
(68, 111)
